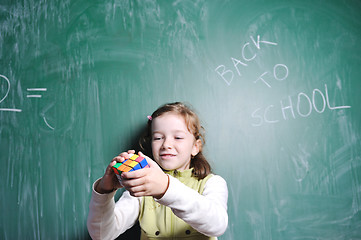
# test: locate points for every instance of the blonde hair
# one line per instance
(200, 165)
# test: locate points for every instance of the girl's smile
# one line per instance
(167, 156)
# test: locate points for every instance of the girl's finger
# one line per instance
(112, 163)
(135, 174)
(133, 182)
(118, 159)
(138, 194)
(137, 191)
(126, 154)
(109, 170)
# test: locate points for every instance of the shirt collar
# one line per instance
(180, 174)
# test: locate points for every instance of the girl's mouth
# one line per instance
(167, 156)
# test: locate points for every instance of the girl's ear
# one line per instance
(197, 147)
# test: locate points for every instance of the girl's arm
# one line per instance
(207, 212)
(107, 219)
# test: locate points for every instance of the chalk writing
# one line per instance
(303, 106)
(7, 83)
(291, 109)
(276, 74)
(36, 95)
(227, 74)
(47, 124)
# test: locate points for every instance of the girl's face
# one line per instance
(172, 143)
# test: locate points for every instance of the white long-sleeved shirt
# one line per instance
(206, 212)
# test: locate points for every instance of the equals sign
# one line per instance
(35, 90)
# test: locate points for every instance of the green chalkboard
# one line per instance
(276, 83)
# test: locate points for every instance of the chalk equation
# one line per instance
(32, 93)
(288, 108)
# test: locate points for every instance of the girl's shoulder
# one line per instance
(215, 181)
(215, 177)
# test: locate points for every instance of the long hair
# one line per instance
(200, 165)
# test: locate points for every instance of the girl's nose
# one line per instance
(167, 143)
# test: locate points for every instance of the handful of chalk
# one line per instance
(134, 162)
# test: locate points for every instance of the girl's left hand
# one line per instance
(150, 181)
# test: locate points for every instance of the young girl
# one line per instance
(176, 198)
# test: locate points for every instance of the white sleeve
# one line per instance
(207, 213)
(107, 219)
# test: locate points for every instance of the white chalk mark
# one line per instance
(304, 107)
(47, 124)
(33, 96)
(7, 92)
(37, 89)
(261, 78)
(257, 44)
(10, 110)
(224, 71)
(244, 57)
(275, 74)
(328, 101)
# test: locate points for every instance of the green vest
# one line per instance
(159, 222)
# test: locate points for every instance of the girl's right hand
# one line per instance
(109, 182)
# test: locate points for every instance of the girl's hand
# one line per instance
(109, 181)
(150, 181)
